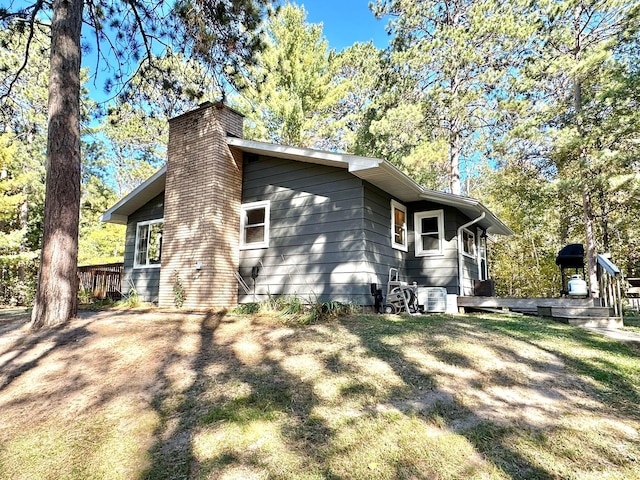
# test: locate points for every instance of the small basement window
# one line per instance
(429, 232)
(148, 244)
(254, 225)
(398, 226)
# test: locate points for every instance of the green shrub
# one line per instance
(290, 305)
(18, 278)
(85, 296)
(179, 293)
(294, 310)
(247, 308)
(131, 300)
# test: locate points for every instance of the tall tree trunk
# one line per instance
(583, 165)
(454, 162)
(56, 297)
(592, 249)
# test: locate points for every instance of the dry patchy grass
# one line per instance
(153, 395)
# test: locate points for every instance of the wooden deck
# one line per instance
(575, 311)
(523, 305)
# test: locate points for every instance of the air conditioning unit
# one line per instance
(432, 299)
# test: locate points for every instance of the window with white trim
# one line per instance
(468, 243)
(429, 232)
(148, 251)
(398, 226)
(254, 225)
(483, 269)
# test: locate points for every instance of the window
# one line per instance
(429, 231)
(482, 255)
(468, 243)
(148, 244)
(254, 225)
(398, 226)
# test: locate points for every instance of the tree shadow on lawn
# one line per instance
(491, 437)
(22, 353)
(69, 395)
(203, 382)
(137, 376)
(611, 383)
(13, 319)
(78, 362)
(230, 390)
(30, 349)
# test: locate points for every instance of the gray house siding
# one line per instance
(380, 255)
(436, 270)
(317, 247)
(433, 271)
(330, 238)
(146, 281)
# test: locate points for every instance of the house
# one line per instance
(287, 220)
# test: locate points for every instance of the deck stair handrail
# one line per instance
(609, 278)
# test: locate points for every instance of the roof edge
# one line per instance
(352, 162)
(497, 226)
(112, 215)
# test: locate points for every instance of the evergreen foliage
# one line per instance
(449, 65)
(286, 88)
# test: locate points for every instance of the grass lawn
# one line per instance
(153, 395)
(632, 323)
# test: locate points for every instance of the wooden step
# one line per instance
(593, 322)
(573, 312)
(522, 304)
(600, 317)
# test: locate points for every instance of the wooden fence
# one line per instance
(103, 281)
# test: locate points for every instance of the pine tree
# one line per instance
(450, 63)
(219, 34)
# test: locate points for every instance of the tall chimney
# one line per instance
(202, 210)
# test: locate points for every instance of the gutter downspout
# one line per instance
(460, 257)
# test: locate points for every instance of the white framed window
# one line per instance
(429, 232)
(483, 268)
(468, 243)
(254, 225)
(399, 226)
(148, 251)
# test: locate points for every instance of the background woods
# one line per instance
(533, 109)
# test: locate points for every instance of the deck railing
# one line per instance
(609, 279)
(103, 281)
(633, 293)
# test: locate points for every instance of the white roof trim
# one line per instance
(309, 155)
(140, 195)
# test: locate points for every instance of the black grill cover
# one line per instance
(571, 256)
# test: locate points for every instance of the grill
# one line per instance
(570, 259)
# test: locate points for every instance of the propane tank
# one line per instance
(577, 287)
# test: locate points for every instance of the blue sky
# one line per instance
(346, 22)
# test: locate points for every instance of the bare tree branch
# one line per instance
(31, 23)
